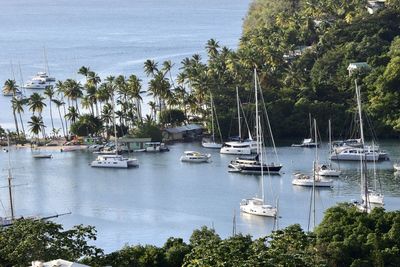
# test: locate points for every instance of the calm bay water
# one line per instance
(165, 197)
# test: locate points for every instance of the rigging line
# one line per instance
(245, 118)
(269, 124)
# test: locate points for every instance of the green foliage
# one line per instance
(148, 129)
(28, 240)
(347, 237)
(174, 117)
(86, 125)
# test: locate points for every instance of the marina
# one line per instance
(165, 197)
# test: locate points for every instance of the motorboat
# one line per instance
(40, 81)
(310, 181)
(155, 147)
(256, 206)
(195, 157)
(253, 165)
(308, 142)
(114, 161)
(355, 153)
(327, 170)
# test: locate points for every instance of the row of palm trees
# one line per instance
(188, 91)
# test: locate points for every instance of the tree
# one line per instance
(174, 117)
(49, 92)
(86, 125)
(10, 86)
(18, 106)
(36, 125)
(30, 240)
(60, 103)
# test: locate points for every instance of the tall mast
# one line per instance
(9, 180)
(212, 117)
(309, 118)
(315, 171)
(363, 169)
(238, 111)
(113, 112)
(46, 65)
(257, 118)
(261, 157)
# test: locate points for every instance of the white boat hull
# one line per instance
(374, 197)
(329, 172)
(396, 167)
(211, 145)
(304, 180)
(255, 206)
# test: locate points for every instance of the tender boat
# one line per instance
(195, 157)
(307, 180)
(114, 161)
(327, 170)
(256, 206)
(253, 165)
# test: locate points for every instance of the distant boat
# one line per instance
(114, 160)
(313, 180)
(327, 169)
(253, 165)
(39, 81)
(308, 142)
(210, 142)
(195, 157)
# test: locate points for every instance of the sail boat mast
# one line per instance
(238, 111)
(9, 180)
(113, 112)
(257, 117)
(212, 117)
(364, 180)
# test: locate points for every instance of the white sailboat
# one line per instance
(253, 164)
(375, 196)
(114, 161)
(327, 169)
(211, 143)
(240, 147)
(255, 205)
(370, 198)
(308, 142)
(313, 180)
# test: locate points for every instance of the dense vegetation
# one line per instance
(301, 50)
(345, 237)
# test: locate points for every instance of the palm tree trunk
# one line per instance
(22, 123)
(16, 122)
(62, 124)
(51, 117)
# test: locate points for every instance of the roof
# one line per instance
(357, 65)
(180, 129)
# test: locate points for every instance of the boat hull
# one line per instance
(211, 145)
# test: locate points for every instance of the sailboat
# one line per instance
(327, 169)
(254, 164)
(42, 79)
(211, 142)
(255, 205)
(369, 197)
(313, 180)
(115, 160)
(239, 147)
(308, 142)
(375, 196)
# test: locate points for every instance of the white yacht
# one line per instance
(114, 161)
(308, 180)
(354, 154)
(195, 157)
(308, 142)
(256, 206)
(40, 81)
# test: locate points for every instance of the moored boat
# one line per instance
(195, 157)
(114, 161)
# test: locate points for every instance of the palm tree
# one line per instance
(134, 91)
(73, 90)
(72, 114)
(49, 92)
(150, 67)
(84, 71)
(153, 109)
(60, 103)
(36, 125)
(212, 48)
(18, 106)
(36, 104)
(10, 86)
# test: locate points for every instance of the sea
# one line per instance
(163, 197)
